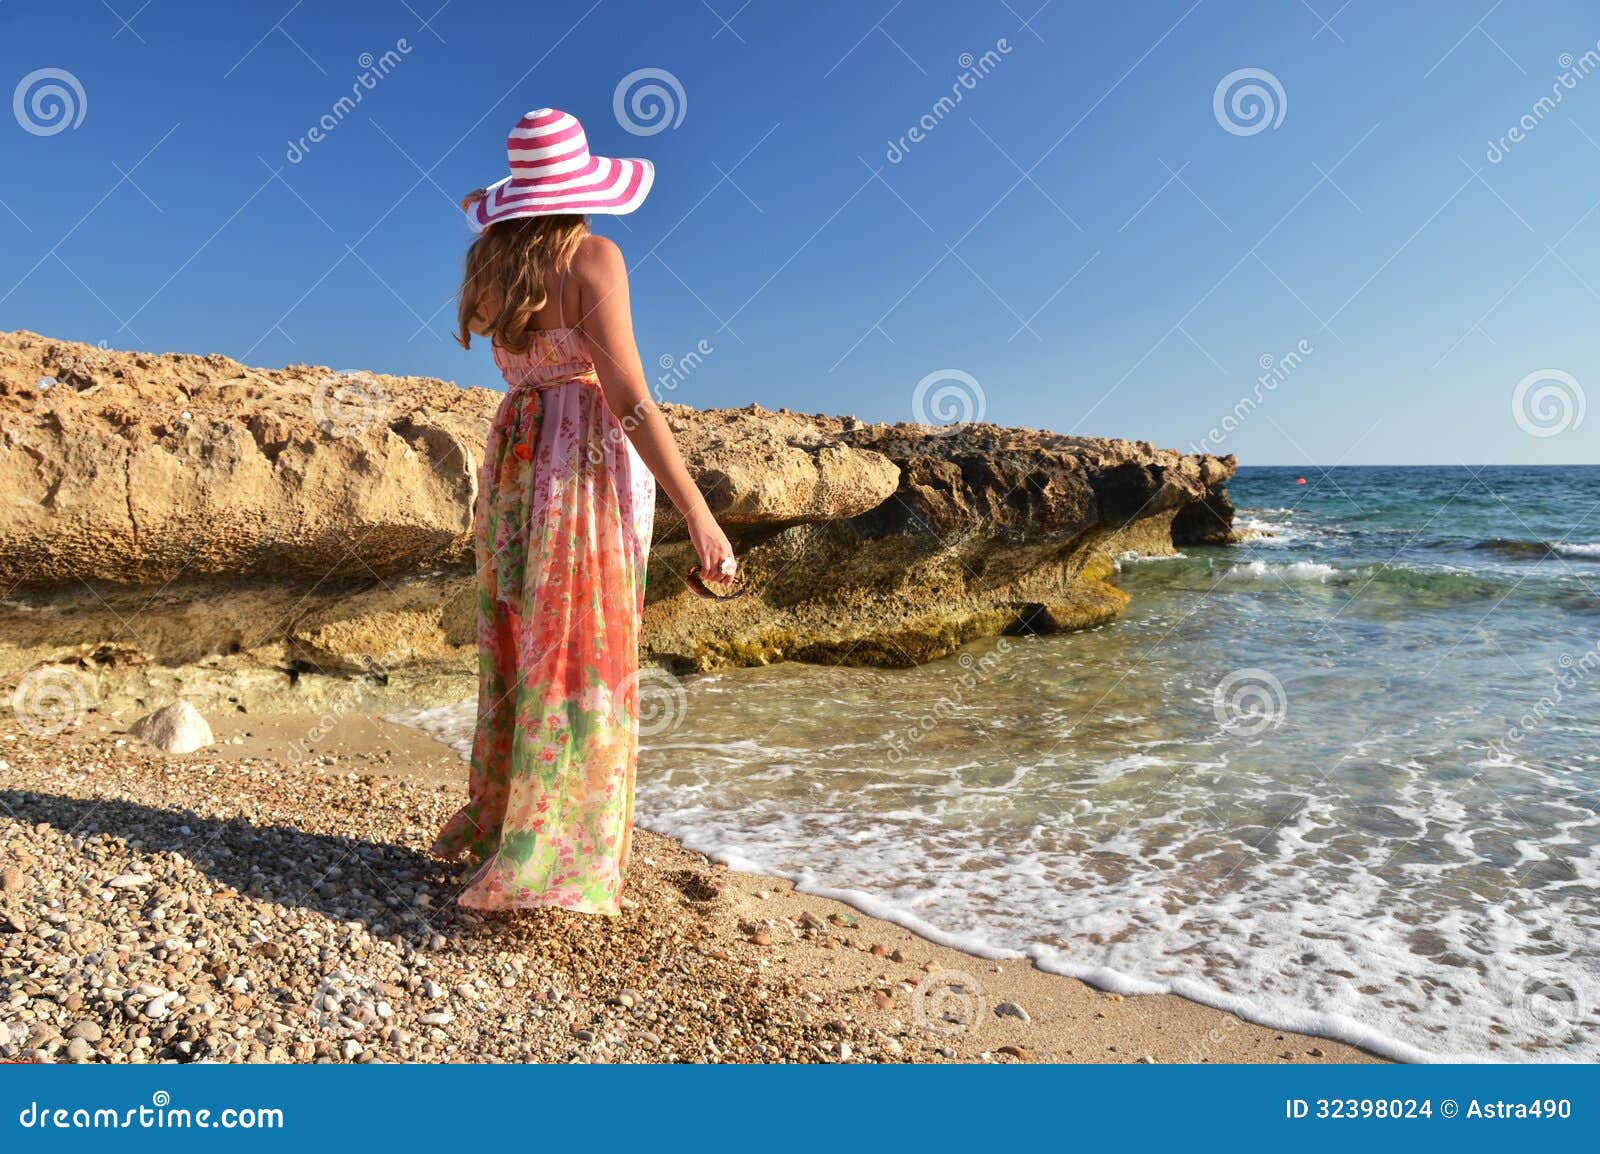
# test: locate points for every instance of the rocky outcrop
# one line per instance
(189, 526)
(1208, 521)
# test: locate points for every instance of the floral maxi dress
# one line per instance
(561, 528)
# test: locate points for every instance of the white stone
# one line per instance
(177, 728)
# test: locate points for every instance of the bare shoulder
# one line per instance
(598, 263)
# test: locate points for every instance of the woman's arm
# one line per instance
(608, 325)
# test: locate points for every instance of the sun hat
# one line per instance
(552, 172)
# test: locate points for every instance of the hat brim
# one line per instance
(613, 188)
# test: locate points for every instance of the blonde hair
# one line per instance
(504, 282)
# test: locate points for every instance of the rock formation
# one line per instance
(176, 525)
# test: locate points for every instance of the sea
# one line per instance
(1343, 778)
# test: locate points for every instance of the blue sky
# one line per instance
(1082, 236)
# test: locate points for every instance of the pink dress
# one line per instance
(562, 529)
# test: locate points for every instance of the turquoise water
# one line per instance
(1343, 778)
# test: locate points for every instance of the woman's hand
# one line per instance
(712, 547)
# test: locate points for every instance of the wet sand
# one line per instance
(289, 912)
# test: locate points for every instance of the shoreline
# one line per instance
(798, 976)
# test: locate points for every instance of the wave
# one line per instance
(1283, 571)
(1263, 532)
(1538, 550)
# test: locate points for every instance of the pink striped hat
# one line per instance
(552, 172)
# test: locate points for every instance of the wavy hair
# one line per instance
(503, 285)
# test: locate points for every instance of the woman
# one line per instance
(562, 529)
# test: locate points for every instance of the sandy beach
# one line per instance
(227, 905)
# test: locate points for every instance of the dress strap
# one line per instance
(561, 300)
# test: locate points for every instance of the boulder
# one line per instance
(178, 728)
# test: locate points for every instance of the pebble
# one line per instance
(129, 952)
(1012, 1010)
